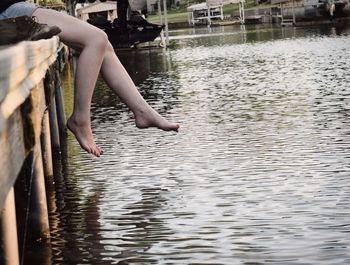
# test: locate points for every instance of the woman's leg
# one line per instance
(120, 82)
(96, 51)
(92, 44)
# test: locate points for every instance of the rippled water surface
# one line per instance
(258, 174)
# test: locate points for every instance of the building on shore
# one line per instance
(212, 10)
(106, 9)
(293, 11)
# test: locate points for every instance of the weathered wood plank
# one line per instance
(9, 232)
(37, 98)
(12, 154)
(39, 218)
(22, 69)
(46, 144)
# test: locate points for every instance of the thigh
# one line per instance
(75, 32)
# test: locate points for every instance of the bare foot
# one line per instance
(84, 136)
(151, 118)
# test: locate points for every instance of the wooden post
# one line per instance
(39, 215)
(281, 6)
(9, 231)
(166, 23)
(241, 12)
(294, 20)
(46, 143)
(160, 12)
(55, 137)
(61, 116)
(209, 15)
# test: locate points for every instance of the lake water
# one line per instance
(259, 172)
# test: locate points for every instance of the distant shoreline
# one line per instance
(300, 23)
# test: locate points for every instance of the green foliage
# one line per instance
(180, 14)
(228, 9)
(52, 3)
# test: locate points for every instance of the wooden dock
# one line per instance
(31, 123)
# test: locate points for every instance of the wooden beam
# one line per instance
(39, 218)
(22, 69)
(9, 242)
(46, 145)
(12, 154)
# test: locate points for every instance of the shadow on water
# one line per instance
(257, 175)
(79, 235)
(142, 227)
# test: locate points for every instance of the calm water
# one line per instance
(258, 174)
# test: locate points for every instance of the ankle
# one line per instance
(78, 121)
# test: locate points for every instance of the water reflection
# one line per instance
(142, 227)
(237, 34)
(259, 173)
(141, 63)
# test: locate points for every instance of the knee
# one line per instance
(110, 48)
(100, 40)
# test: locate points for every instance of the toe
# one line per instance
(96, 152)
(101, 150)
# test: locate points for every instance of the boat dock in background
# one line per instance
(134, 31)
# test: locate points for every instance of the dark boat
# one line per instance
(137, 30)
